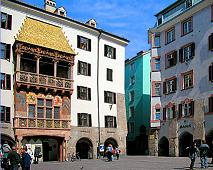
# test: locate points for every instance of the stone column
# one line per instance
(55, 67)
(71, 64)
(37, 64)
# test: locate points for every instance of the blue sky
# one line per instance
(126, 18)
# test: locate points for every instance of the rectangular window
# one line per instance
(171, 59)
(160, 20)
(171, 112)
(131, 96)
(5, 81)
(157, 40)
(170, 35)
(186, 109)
(132, 80)
(110, 122)
(170, 86)
(187, 26)
(187, 52)
(83, 43)
(132, 111)
(84, 120)
(5, 114)
(132, 68)
(56, 112)
(157, 64)
(211, 72)
(5, 51)
(109, 51)
(109, 97)
(109, 74)
(211, 104)
(212, 13)
(211, 42)
(84, 68)
(157, 114)
(157, 89)
(40, 108)
(187, 80)
(6, 21)
(49, 108)
(31, 111)
(83, 93)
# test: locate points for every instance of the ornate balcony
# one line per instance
(41, 123)
(46, 81)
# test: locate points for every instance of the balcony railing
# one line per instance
(41, 123)
(44, 80)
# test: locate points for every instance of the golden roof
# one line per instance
(45, 35)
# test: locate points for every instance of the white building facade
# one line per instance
(184, 30)
(97, 102)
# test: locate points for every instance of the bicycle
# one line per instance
(73, 157)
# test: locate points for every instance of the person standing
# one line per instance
(204, 148)
(26, 159)
(117, 152)
(193, 150)
(14, 159)
(6, 150)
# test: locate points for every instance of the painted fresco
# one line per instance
(31, 98)
(66, 108)
(20, 101)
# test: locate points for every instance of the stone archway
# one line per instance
(85, 148)
(209, 140)
(185, 140)
(163, 147)
(7, 138)
(111, 141)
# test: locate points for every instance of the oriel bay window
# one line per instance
(109, 97)
(28, 63)
(49, 108)
(63, 69)
(46, 66)
(84, 120)
(6, 21)
(31, 111)
(170, 85)
(83, 93)
(84, 68)
(84, 43)
(40, 108)
(5, 81)
(187, 52)
(109, 51)
(5, 114)
(171, 59)
(5, 51)
(110, 122)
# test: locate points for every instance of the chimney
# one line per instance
(92, 23)
(50, 5)
(61, 11)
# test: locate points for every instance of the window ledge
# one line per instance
(169, 42)
(187, 88)
(170, 92)
(186, 33)
(170, 66)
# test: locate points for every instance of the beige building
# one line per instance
(183, 38)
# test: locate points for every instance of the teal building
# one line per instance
(137, 94)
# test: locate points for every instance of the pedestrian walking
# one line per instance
(204, 149)
(26, 159)
(109, 152)
(117, 152)
(14, 159)
(30, 152)
(193, 151)
(5, 151)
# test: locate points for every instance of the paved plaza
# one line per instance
(125, 163)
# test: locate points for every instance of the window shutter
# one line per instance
(90, 120)
(193, 49)
(210, 104)
(179, 110)
(8, 82)
(89, 41)
(114, 95)
(211, 42)
(164, 87)
(105, 50)
(89, 69)
(115, 122)
(8, 52)
(175, 57)
(79, 119)
(175, 84)
(106, 124)
(105, 97)
(114, 57)
(7, 114)
(78, 41)
(164, 113)
(153, 89)
(9, 22)
(181, 55)
(89, 93)
(78, 92)
(174, 111)
(79, 67)
(211, 72)
(192, 108)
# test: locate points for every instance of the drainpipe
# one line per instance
(99, 128)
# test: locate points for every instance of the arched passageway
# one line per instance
(163, 147)
(85, 148)
(111, 141)
(7, 138)
(185, 140)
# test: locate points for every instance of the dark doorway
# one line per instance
(185, 140)
(111, 141)
(9, 140)
(163, 147)
(85, 148)
(45, 151)
(209, 141)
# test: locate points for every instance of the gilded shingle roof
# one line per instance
(45, 35)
